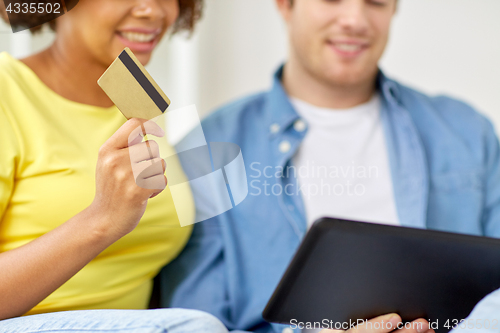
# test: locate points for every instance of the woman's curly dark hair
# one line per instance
(189, 13)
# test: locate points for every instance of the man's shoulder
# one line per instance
(443, 110)
(230, 119)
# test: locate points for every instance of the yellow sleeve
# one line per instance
(9, 156)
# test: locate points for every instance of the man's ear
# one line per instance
(285, 8)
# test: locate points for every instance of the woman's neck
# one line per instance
(73, 75)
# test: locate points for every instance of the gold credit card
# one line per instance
(132, 89)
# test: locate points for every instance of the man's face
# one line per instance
(338, 42)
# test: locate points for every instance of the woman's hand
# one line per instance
(388, 323)
(128, 173)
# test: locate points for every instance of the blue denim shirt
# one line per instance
(444, 160)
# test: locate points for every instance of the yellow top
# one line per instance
(48, 155)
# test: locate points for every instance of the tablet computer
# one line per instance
(345, 271)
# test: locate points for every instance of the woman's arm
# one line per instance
(32, 272)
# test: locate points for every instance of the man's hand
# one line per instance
(388, 323)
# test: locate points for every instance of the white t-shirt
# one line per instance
(342, 164)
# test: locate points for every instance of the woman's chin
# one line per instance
(144, 58)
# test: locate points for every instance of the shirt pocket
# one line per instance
(457, 181)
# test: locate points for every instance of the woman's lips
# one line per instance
(139, 40)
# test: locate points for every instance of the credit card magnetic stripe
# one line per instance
(143, 81)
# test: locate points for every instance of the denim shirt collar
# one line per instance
(406, 153)
(282, 113)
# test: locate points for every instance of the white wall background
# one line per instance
(449, 46)
(437, 46)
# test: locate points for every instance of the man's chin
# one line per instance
(350, 77)
(344, 81)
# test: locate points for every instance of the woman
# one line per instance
(76, 232)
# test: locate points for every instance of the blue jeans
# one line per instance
(116, 321)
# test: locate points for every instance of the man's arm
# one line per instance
(491, 213)
(486, 315)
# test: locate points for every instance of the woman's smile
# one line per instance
(139, 40)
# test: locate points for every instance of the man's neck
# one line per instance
(300, 84)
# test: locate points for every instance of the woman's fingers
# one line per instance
(144, 151)
(150, 168)
(158, 182)
(148, 127)
(150, 174)
(131, 133)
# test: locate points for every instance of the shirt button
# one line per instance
(287, 330)
(299, 125)
(285, 146)
(274, 128)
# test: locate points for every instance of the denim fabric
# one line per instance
(444, 159)
(116, 321)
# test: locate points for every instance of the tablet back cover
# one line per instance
(347, 270)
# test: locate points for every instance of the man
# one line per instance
(334, 137)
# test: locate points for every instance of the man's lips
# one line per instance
(348, 48)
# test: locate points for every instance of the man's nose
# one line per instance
(353, 16)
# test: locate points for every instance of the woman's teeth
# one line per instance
(138, 37)
(348, 47)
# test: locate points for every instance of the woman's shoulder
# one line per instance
(9, 68)
(7, 78)
(14, 78)
(16, 74)
(7, 133)
(18, 83)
